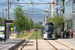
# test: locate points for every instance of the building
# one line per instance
(66, 8)
(50, 11)
(53, 8)
(47, 13)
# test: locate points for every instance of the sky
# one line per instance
(36, 16)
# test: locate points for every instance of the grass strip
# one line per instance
(22, 35)
(38, 35)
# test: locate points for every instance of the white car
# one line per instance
(2, 36)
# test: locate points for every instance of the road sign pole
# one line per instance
(5, 31)
(14, 31)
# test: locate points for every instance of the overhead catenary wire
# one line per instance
(29, 3)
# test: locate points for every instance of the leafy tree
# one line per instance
(40, 23)
(1, 20)
(11, 25)
(20, 22)
(57, 19)
(37, 25)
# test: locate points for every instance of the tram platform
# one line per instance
(10, 44)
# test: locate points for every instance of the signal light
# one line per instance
(54, 3)
(30, 2)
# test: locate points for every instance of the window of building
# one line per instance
(66, 1)
(68, 8)
(59, 12)
(59, 4)
(73, 6)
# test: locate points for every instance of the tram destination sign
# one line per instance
(9, 21)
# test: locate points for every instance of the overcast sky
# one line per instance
(36, 16)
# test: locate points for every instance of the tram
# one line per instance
(48, 30)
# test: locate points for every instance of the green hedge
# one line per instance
(69, 24)
(22, 35)
(58, 36)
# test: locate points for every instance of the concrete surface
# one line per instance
(12, 36)
(44, 45)
(31, 45)
(68, 41)
(9, 43)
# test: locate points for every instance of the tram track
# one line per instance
(52, 45)
(64, 45)
(56, 48)
(26, 42)
(29, 40)
(47, 44)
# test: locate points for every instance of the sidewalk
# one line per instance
(10, 44)
(12, 36)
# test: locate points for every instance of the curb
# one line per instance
(15, 46)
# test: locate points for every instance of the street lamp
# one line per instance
(6, 13)
(18, 0)
(30, 2)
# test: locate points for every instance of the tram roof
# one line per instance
(47, 22)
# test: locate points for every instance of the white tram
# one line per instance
(48, 30)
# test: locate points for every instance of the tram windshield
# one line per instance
(49, 29)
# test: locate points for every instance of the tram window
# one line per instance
(49, 29)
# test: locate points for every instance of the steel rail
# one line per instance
(63, 45)
(26, 42)
(52, 45)
(36, 42)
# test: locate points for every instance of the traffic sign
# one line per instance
(14, 28)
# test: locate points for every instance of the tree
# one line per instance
(40, 23)
(37, 25)
(1, 20)
(57, 19)
(20, 22)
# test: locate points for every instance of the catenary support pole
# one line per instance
(8, 24)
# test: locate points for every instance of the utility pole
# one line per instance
(8, 10)
(7, 29)
(6, 14)
(3, 15)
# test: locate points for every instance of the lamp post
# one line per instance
(6, 14)
(3, 15)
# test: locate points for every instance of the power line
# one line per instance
(35, 11)
(29, 3)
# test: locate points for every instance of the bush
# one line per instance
(22, 35)
(58, 36)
